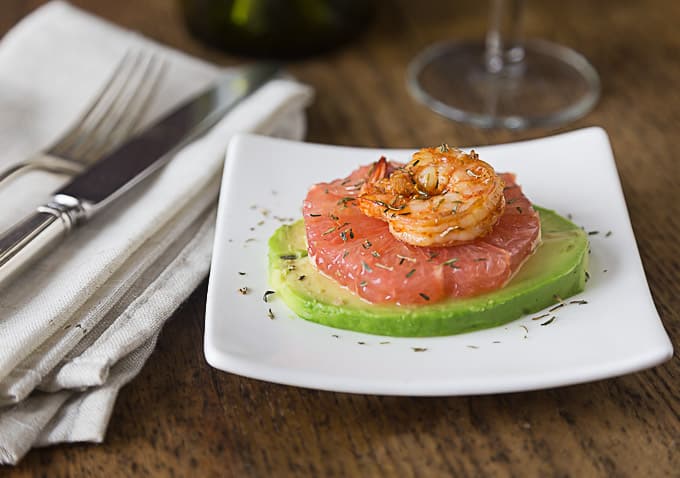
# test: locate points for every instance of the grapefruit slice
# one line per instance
(360, 254)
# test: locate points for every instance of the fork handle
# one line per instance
(37, 233)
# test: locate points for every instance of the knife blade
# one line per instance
(124, 167)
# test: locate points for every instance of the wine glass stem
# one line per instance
(504, 48)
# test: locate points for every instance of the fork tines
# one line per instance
(116, 111)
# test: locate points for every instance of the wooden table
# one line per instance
(180, 417)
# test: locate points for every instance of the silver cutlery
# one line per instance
(124, 167)
(110, 118)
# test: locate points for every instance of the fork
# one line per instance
(111, 117)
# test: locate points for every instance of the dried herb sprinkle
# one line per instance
(345, 200)
(405, 258)
(556, 307)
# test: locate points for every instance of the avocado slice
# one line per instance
(556, 270)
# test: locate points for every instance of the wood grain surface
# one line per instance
(180, 417)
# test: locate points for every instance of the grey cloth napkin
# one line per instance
(82, 322)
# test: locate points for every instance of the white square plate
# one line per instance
(265, 181)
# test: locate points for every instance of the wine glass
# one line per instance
(506, 81)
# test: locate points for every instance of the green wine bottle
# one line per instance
(276, 28)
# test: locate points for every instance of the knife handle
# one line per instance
(36, 234)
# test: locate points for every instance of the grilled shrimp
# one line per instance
(442, 197)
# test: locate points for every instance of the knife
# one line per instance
(123, 168)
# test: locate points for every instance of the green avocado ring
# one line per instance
(555, 271)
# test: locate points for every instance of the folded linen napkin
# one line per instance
(82, 322)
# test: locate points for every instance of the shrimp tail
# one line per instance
(378, 171)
